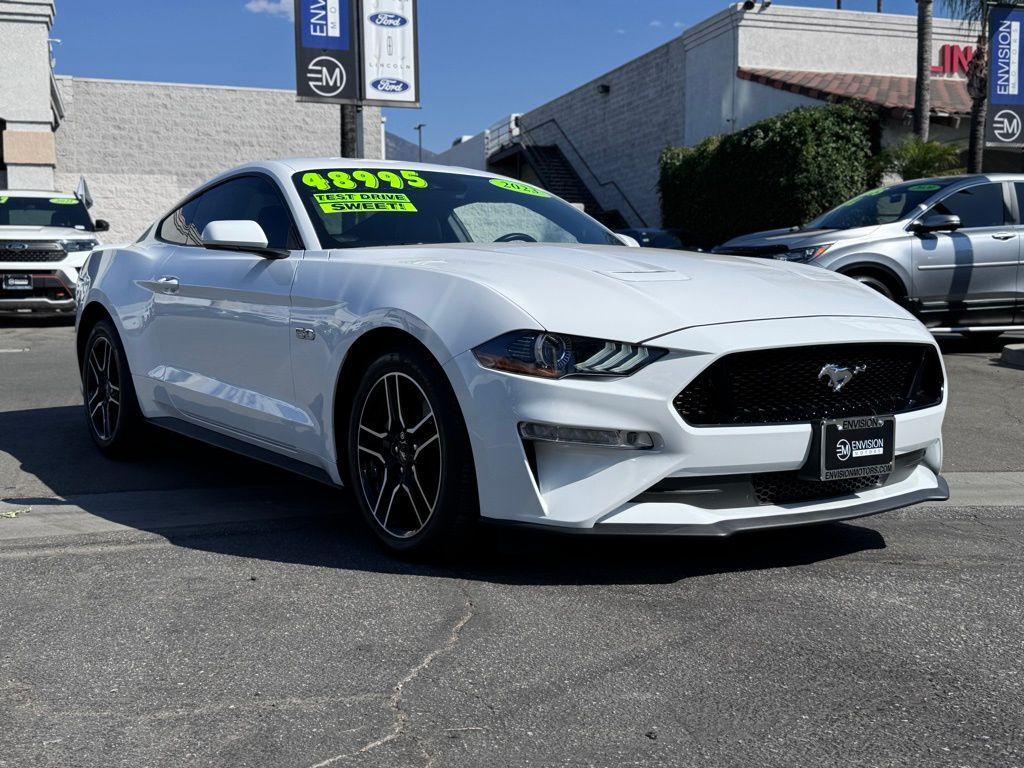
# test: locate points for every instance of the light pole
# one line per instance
(419, 129)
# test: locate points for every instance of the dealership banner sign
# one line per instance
(1005, 128)
(357, 52)
(390, 57)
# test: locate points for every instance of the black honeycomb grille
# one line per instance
(781, 386)
(32, 255)
(790, 488)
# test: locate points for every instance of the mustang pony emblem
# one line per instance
(838, 377)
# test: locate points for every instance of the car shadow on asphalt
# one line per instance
(317, 526)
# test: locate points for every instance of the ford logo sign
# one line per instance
(16, 246)
(390, 85)
(388, 20)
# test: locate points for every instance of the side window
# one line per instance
(179, 228)
(1018, 188)
(978, 206)
(250, 198)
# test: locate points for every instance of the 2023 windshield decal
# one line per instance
(64, 200)
(520, 187)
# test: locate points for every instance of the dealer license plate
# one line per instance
(857, 446)
(18, 282)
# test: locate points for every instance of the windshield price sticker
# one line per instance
(64, 200)
(363, 202)
(3, 199)
(325, 180)
(925, 188)
(516, 186)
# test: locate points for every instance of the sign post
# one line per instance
(1004, 128)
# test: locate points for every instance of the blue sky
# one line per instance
(480, 59)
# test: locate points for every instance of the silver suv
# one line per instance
(949, 249)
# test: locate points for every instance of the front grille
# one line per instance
(781, 386)
(790, 488)
(36, 252)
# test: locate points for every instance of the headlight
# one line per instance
(803, 254)
(556, 355)
(79, 245)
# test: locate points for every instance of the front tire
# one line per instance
(112, 412)
(410, 465)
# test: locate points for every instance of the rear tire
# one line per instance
(112, 412)
(410, 465)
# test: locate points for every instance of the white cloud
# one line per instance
(272, 7)
(656, 23)
(678, 24)
(620, 31)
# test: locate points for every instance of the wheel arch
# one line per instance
(93, 312)
(896, 282)
(363, 351)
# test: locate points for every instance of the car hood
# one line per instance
(627, 294)
(782, 240)
(44, 233)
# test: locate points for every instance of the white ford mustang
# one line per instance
(453, 343)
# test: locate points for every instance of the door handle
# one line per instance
(168, 284)
(1003, 235)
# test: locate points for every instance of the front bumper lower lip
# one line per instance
(725, 528)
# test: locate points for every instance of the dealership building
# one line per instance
(599, 143)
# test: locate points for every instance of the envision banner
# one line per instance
(327, 53)
(390, 55)
(357, 52)
(1005, 79)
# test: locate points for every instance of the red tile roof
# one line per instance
(949, 96)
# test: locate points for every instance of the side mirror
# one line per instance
(239, 235)
(627, 240)
(936, 222)
(101, 225)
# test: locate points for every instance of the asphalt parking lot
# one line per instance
(195, 608)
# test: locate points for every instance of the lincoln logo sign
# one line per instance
(1006, 113)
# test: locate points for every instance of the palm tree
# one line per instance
(923, 85)
(975, 12)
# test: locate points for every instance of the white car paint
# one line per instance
(219, 351)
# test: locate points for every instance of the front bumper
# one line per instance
(52, 291)
(577, 487)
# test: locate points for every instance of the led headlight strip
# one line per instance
(555, 355)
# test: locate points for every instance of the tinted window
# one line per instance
(250, 198)
(1019, 187)
(978, 206)
(179, 227)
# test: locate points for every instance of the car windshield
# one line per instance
(879, 206)
(44, 212)
(358, 208)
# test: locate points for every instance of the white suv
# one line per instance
(45, 238)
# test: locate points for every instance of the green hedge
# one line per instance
(777, 173)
